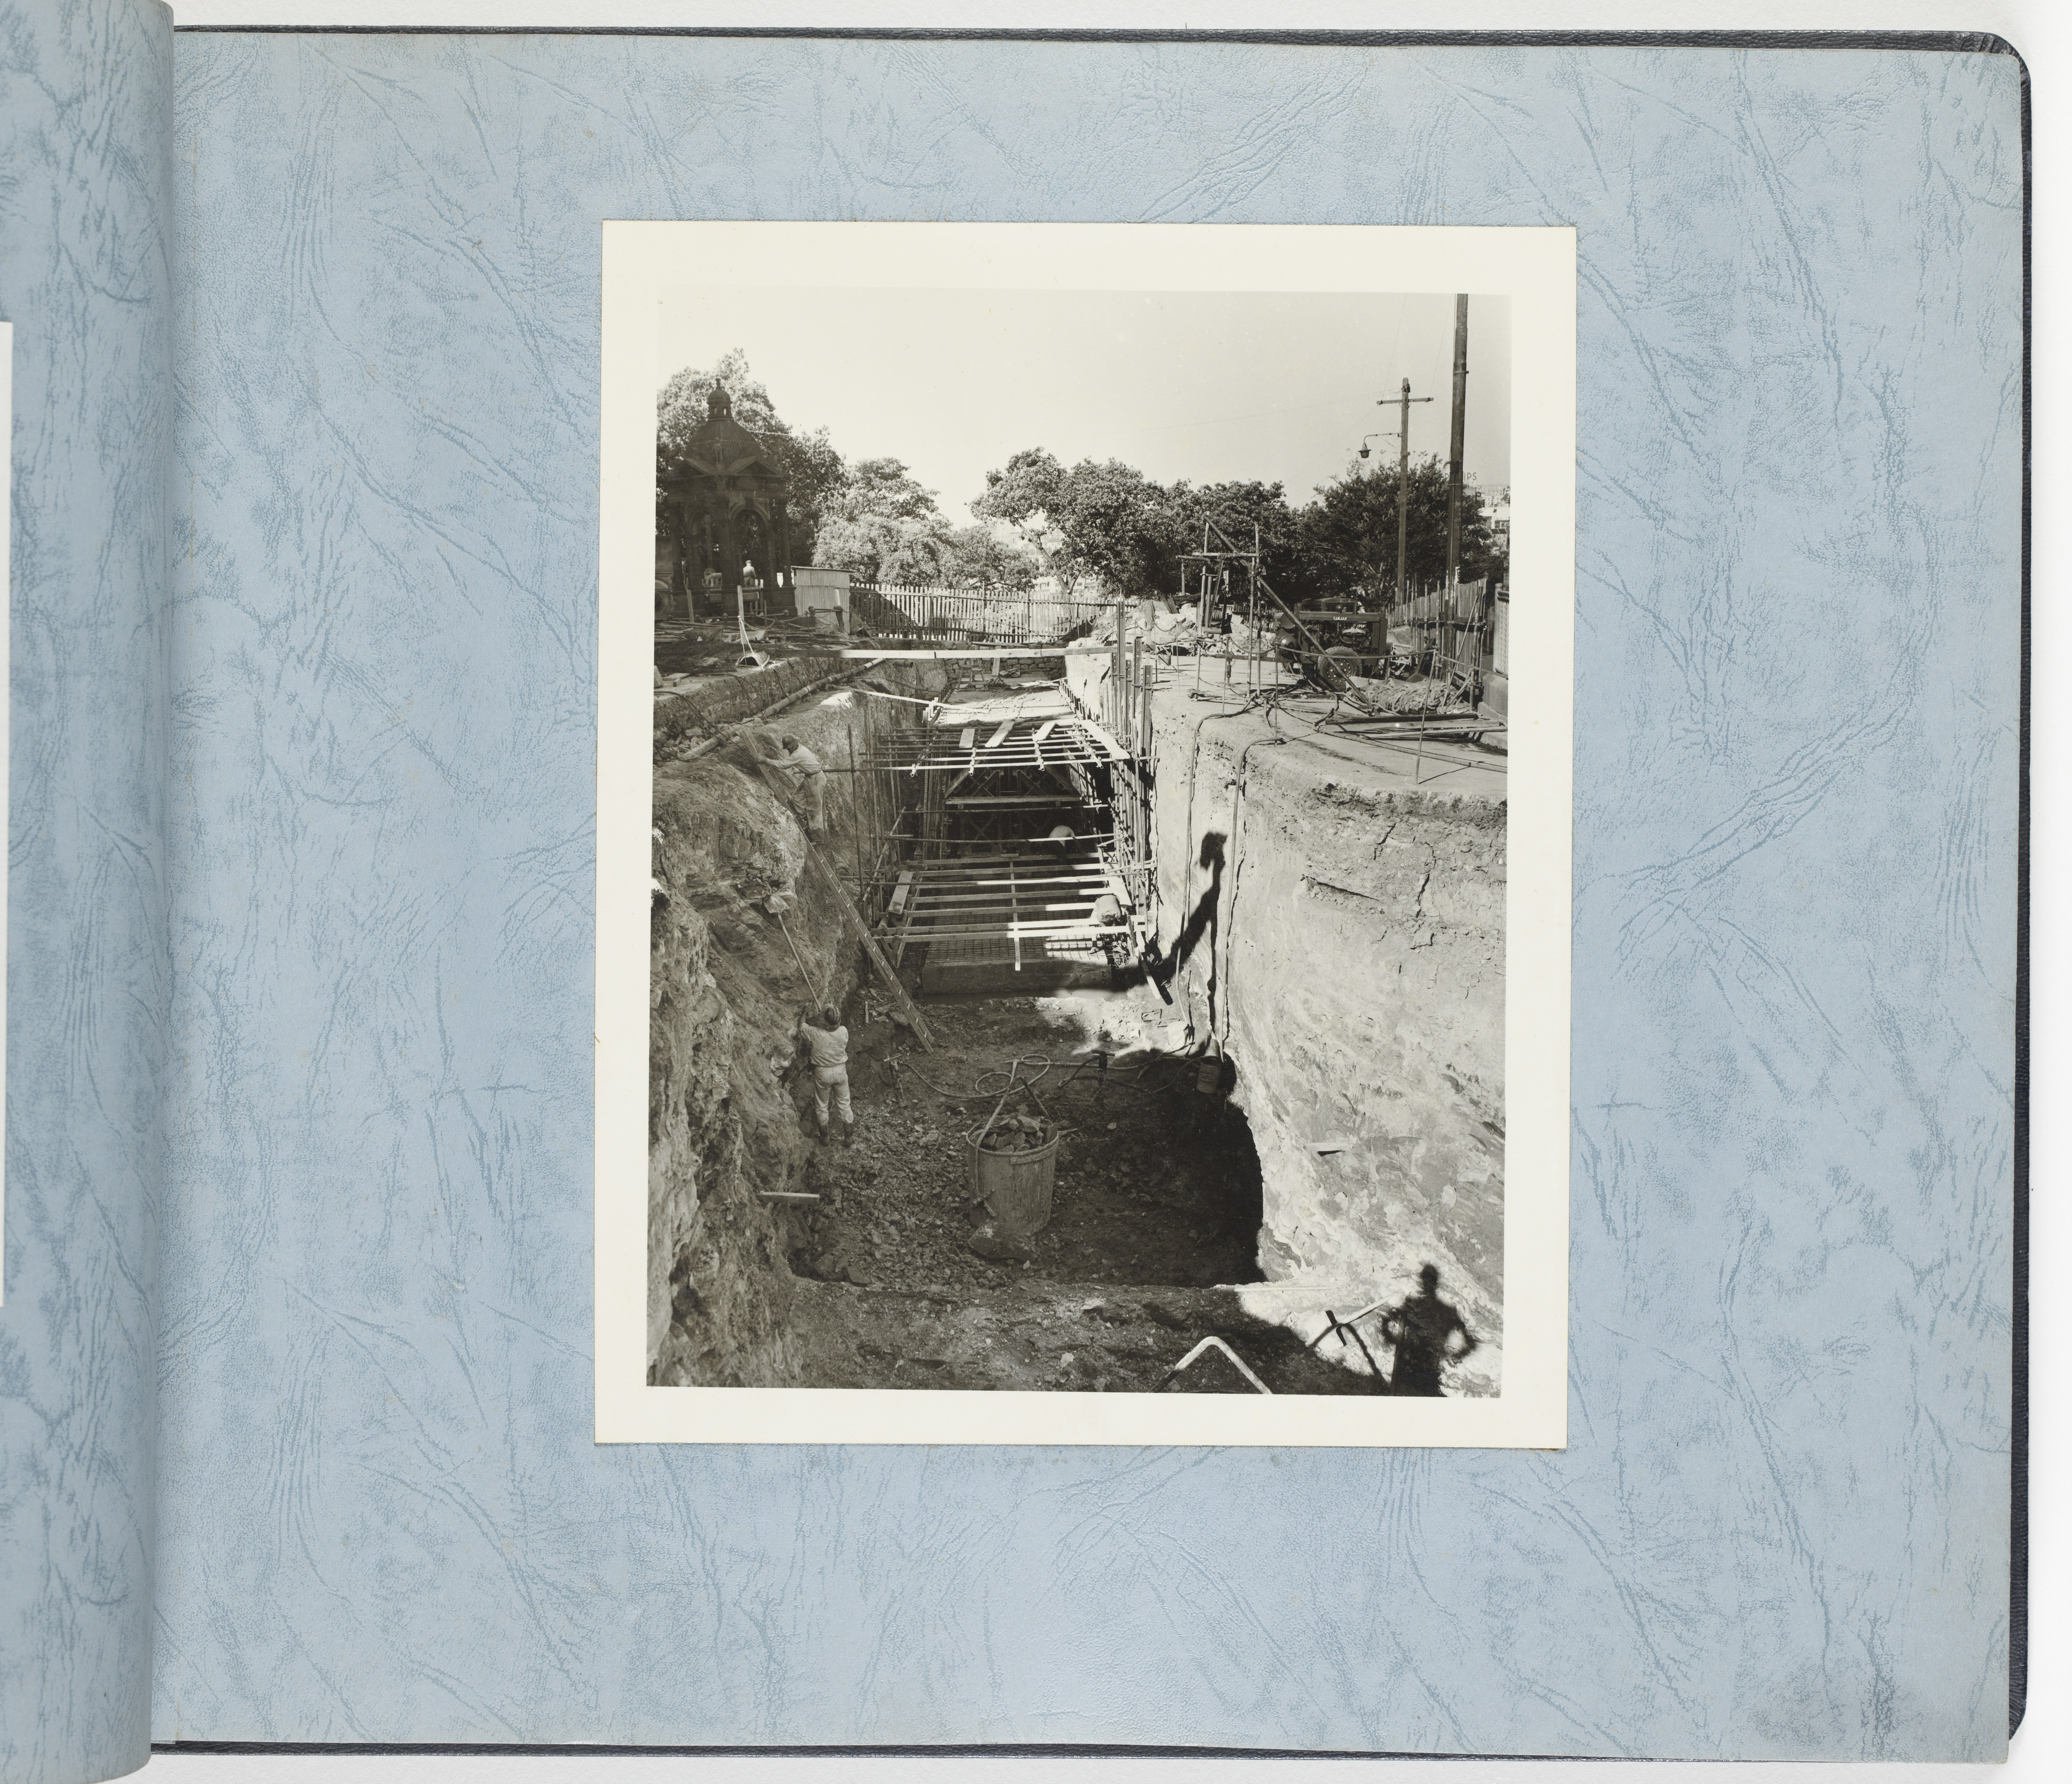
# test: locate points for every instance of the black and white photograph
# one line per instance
(1079, 837)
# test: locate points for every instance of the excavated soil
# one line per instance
(1154, 1183)
(885, 1274)
(1154, 1216)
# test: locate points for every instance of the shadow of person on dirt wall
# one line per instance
(1422, 1329)
(1201, 919)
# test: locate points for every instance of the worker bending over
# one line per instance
(829, 1049)
(810, 787)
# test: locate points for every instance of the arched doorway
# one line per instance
(752, 533)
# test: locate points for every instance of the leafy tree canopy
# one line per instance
(1108, 524)
(885, 487)
(1349, 532)
(1099, 527)
(883, 527)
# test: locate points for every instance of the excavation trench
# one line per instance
(777, 1257)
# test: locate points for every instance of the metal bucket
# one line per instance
(1016, 1185)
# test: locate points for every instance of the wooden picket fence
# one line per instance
(982, 615)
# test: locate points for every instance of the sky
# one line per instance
(1209, 387)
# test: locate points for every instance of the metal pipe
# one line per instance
(1214, 1342)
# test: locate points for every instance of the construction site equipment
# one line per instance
(1344, 1328)
(1015, 1186)
(1000, 862)
(1211, 1343)
(751, 657)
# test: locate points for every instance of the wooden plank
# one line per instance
(1051, 763)
(967, 891)
(965, 739)
(963, 882)
(1050, 886)
(1115, 750)
(965, 653)
(1002, 932)
(934, 898)
(1020, 749)
(1068, 910)
(999, 736)
(1015, 800)
(900, 894)
(1081, 861)
(846, 905)
(943, 751)
(1086, 862)
(1073, 892)
(992, 892)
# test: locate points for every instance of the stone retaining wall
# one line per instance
(705, 706)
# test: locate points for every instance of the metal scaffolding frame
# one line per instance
(963, 869)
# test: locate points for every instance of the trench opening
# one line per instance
(1156, 1182)
(1011, 898)
(996, 840)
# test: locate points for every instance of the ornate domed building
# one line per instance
(726, 506)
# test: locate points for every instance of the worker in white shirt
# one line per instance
(828, 1047)
(810, 786)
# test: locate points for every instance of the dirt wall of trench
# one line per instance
(1339, 930)
(724, 990)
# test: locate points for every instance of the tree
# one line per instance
(1110, 524)
(884, 527)
(994, 554)
(885, 487)
(1032, 483)
(1116, 521)
(1106, 523)
(1349, 532)
(812, 468)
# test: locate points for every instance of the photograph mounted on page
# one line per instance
(1106, 922)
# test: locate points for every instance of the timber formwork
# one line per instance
(1009, 868)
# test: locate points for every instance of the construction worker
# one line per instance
(828, 1047)
(1420, 1328)
(1107, 919)
(810, 789)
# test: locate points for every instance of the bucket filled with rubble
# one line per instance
(1013, 1167)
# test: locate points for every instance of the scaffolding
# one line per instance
(992, 863)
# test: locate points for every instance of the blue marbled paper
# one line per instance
(1781, 1527)
(86, 117)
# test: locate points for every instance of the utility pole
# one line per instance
(1402, 486)
(1460, 427)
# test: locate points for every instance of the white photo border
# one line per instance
(1535, 268)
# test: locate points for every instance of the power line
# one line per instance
(1218, 421)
